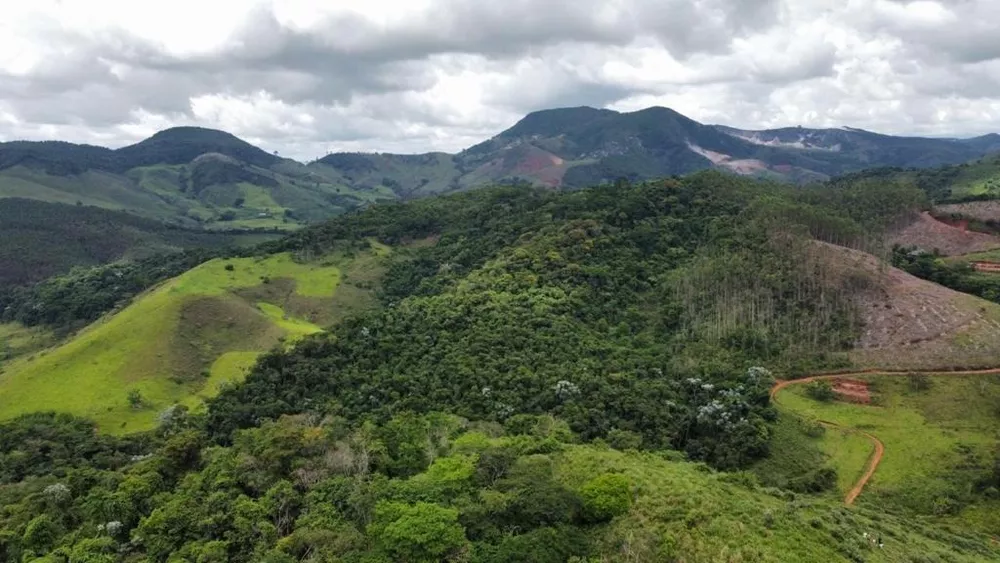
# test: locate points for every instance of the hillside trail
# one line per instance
(879, 451)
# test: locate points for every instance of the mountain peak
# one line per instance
(180, 145)
(553, 121)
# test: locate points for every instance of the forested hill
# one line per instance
(536, 379)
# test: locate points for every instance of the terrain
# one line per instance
(504, 374)
(933, 439)
(184, 339)
(189, 183)
(578, 147)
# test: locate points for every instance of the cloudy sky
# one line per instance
(305, 77)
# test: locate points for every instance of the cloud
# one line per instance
(305, 78)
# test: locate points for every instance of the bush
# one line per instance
(605, 497)
(821, 391)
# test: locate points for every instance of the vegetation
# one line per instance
(41, 240)
(509, 374)
(940, 439)
(418, 488)
(184, 340)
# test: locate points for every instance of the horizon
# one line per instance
(376, 151)
(440, 75)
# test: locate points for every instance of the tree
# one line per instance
(421, 532)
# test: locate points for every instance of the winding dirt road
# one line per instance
(879, 451)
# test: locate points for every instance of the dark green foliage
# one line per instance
(821, 391)
(45, 239)
(534, 302)
(75, 299)
(958, 276)
(51, 444)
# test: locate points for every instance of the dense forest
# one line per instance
(619, 315)
(41, 239)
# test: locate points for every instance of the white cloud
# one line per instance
(304, 77)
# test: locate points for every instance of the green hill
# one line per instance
(183, 339)
(508, 374)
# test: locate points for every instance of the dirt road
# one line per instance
(879, 451)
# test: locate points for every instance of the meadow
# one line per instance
(940, 435)
(181, 341)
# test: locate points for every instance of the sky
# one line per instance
(307, 77)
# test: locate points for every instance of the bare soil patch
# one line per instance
(928, 233)
(982, 210)
(910, 323)
(852, 390)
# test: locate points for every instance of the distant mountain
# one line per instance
(199, 177)
(576, 147)
(188, 176)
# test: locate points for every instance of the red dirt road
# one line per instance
(876, 457)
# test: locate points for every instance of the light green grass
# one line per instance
(847, 452)
(683, 511)
(137, 348)
(937, 442)
(18, 340)
(213, 278)
(228, 369)
(296, 328)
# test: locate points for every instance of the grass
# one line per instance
(180, 341)
(978, 177)
(938, 442)
(799, 447)
(18, 340)
(683, 511)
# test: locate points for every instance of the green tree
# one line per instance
(421, 532)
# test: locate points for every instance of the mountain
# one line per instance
(188, 176)
(197, 178)
(577, 147)
(208, 178)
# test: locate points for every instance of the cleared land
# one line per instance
(981, 210)
(181, 341)
(910, 323)
(929, 234)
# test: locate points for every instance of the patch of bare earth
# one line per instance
(910, 323)
(852, 391)
(982, 210)
(928, 233)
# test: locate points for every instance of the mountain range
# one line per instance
(206, 178)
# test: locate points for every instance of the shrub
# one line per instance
(821, 391)
(135, 399)
(605, 497)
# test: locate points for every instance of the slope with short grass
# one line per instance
(184, 339)
(940, 437)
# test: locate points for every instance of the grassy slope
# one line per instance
(978, 177)
(685, 512)
(17, 340)
(937, 441)
(183, 339)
